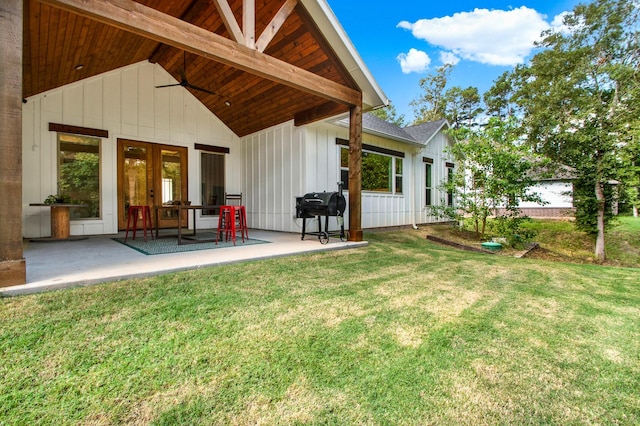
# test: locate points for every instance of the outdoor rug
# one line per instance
(165, 245)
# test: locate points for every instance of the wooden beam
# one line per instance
(326, 110)
(195, 9)
(144, 21)
(355, 173)
(13, 269)
(77, 130)
(249, 23)
(276, 23)
(229, 20)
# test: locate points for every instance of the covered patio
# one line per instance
(251, 65)
(99, 259)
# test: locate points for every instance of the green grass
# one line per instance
(622, 241)
(400, 332)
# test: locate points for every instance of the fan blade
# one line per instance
(191, 86)
(168, 85)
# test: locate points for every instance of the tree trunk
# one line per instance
(600, 253)
(635, 211)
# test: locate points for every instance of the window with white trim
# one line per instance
(380, 172)
(428, 183)
(449, 180)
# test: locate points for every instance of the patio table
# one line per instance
(185, 238)
(60, 222)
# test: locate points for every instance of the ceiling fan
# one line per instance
(183, 79)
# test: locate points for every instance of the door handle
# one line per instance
(151, 193)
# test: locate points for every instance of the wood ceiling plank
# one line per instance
(149, 23)
(315, 32)
(26, 42)
(326, 110)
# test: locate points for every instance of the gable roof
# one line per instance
(425, 131)
(69, 40)
(418, 135)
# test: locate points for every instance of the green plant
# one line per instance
(53, 199)
(511, 228)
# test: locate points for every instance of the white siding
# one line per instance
(126, 103)
(555, 194)
(273, 176)
(436, 149)
(284, 162)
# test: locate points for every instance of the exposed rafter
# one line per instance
(276, 23)
(230, 21)
(249, 23)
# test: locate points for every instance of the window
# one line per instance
(380, 172)
(79, 173)
(212, 180)
(428, 185)
(344, 168)
(450, 180)
(398, 188)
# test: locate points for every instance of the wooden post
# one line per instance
(355, 173)
(12, 264)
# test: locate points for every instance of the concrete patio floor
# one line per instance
(98, 259)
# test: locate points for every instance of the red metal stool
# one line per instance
(231, 220)
(242, 221)
(145, 213)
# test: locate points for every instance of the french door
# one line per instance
(151, 174)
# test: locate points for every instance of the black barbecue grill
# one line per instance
(317, 204)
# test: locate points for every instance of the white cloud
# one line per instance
(495, 37)
(414, 61)
(558, 24)
(449, 58)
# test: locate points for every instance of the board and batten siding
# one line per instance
(126, 103)
(437, 150)
(285, 162)
(273, 165)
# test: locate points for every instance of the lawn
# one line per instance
(403, 331)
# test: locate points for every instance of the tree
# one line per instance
(390, 114)
(430, 106)
(499, 98)
(462, 106)
(495, 173)
(579, 96)
(459, 106)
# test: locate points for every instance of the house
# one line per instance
(410, 163)
(148, 102)
(556, 193)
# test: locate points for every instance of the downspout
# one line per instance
(414, 207)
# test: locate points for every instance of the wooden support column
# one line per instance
(355, 173)
(12, 264)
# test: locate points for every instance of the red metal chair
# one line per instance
(231, 220)
(136, 212)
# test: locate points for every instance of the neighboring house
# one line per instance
(556, 193)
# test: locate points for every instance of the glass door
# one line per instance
(151, 175)
(171, 184)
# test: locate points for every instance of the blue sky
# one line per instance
(403, 41)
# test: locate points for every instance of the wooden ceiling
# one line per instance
(56, 41)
